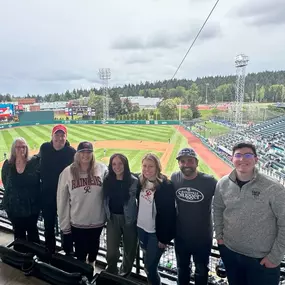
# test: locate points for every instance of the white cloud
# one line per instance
(52, 46)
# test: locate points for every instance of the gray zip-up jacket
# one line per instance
(130, 208)
(251, 219)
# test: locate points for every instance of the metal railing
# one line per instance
(167, 266)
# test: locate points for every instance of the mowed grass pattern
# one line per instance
(211, 129)
(36, 135)
(134, 156)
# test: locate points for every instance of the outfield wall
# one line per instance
(91, 122)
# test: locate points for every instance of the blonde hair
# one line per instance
(159, 176)
(12, 158)
(75, 167)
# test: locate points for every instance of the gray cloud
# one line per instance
(45, 50)
(211, 31)
(259, 13)
(142, 56)
(128, 43)
(161, 40)
(59, 75)
(168, 40)
(55, 76)
(135, 60)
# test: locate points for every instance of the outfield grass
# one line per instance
(36, 135)
(206, 114)
(134, 157)
(211, 129)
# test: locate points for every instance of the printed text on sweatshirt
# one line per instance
(86, 182)
(80, 202)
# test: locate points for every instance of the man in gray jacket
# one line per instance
(249, 221)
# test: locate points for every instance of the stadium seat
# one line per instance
(105, 278)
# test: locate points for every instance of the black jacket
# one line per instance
(53, 162)
(165, 220)
(22, 191)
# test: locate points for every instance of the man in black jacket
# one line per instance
(55, 157)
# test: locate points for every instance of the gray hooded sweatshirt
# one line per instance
(251, 219)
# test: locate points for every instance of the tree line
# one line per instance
(265, 86)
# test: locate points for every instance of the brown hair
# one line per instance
(244, 145)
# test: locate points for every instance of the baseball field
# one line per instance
(132, 140)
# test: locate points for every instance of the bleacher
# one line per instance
(270, 127)
(269, 138)
(167, 265)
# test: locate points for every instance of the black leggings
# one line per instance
(86, 242)
(26, 228)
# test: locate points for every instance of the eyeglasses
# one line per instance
(245, 155)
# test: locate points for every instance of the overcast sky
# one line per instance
(54, 45)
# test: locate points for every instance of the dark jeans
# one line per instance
(152, 255)
(26, 228)
(86, 242)
(116, 230)
(244, 270)
(50, 218)
(201, 255)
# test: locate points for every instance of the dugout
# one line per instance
(37, 116)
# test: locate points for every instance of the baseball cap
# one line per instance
(186, 152)
(59, 128)
(85, 146)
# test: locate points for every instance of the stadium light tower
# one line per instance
(241, 62)
(206, 101)
(105, 76)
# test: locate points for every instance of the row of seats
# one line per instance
(269, 138)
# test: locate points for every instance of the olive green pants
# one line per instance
(117, 230)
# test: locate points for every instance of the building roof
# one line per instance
(142, 101)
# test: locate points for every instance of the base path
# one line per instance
(213, 161)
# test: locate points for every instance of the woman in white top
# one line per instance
(80, 204)
(156, 215)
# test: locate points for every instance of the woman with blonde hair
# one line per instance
(21, 201)
(80, 205)
(156, 214)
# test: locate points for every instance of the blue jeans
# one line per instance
(152, 255)
(201, 257)
(245, 270)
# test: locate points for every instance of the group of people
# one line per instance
(148, 209)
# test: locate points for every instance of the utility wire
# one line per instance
(201, 29)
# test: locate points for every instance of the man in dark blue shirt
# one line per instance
(194, 192)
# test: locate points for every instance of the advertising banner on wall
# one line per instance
(6, 110)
